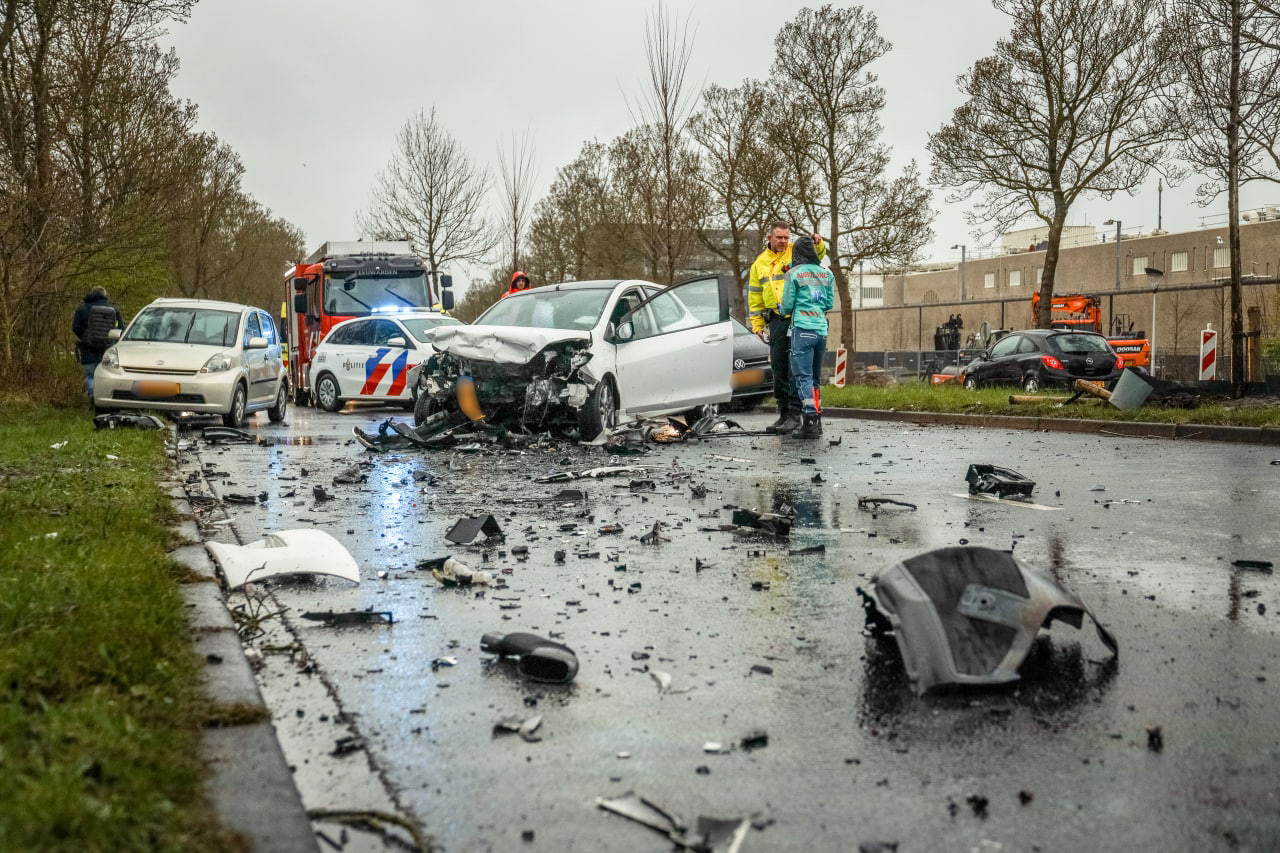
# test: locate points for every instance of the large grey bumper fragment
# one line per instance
(970, 615)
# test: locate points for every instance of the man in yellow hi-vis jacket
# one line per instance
(764, 291)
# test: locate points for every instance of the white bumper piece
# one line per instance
(285, 552)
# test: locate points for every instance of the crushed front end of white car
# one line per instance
(528, 379)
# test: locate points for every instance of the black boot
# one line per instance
(788, 423)
(782, 419)
(811, 428)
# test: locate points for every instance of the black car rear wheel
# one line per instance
(971, 382)
(1031, 384)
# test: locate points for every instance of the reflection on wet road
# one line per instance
(756, 638)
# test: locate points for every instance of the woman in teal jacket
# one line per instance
(808, 294)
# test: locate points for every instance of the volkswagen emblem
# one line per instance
(739, 363)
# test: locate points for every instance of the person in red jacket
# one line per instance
(519, 282)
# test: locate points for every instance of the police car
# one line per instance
(369, 358)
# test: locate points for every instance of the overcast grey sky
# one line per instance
(310, 93)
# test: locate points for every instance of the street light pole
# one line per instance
(1116, 223)
(961, 247)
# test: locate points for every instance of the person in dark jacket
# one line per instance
(94, 318)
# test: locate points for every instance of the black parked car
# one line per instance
(1043, 358)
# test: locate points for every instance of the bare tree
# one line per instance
(519, 170)
(87, 124)
(431, 193)
(482, 293)
(831, 137)
(657, 154)
(740, 170)
(1229, 109)
(579, 228)
(1067, 106)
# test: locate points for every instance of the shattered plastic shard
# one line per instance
(466, 529)
(1001, 482)
(282, 553)
(969, 615)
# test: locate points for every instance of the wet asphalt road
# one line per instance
(759, 640)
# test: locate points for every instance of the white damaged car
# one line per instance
(585, 356)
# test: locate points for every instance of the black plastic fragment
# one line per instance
(465, 530)
(993, 480)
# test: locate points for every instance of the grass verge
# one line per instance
(100, 698)
(920, 397)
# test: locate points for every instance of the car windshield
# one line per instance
(419, 326)
(355, 295)
(1079, 343)
(547, 308)
(172, 325)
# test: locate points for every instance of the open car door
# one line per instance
(675, 350)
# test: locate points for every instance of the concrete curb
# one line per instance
(251, 785)
(1131, 429)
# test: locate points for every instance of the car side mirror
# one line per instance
(397, 341)
(300, 284)
(446, 281)
(113, 335)
(256, 342)
(626, 331)
(300, 303)
(446, 298)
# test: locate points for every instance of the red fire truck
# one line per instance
(341, 280)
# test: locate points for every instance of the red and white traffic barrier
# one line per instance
(842, 362)
(1208, 354)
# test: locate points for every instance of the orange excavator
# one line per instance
(1083, 313)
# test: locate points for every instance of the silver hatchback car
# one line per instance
(196, 355)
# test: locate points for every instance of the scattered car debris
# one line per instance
(456, 573)
(1001, 482)
(347, 745)
(943, 605)
(537, 658)
(654, 536)
(610, 529)
(320, 494)
(662, 679)
(526, 728)
(282, 553)
(751, 521)
(875, 504)
(351, 617)
(464, 530)
(708, 834)
(244, 500)
(758, 739)
(441, 663)
(350, 476)
(217, 434)
(812, 549)
(593, 473)
(1253, 565)
(127, 420)
(1155, 738)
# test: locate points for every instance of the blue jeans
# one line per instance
(807, 349)
(89, 368)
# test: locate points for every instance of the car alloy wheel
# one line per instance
(327, 394)
(971, 383)
(1031, 384)
(239, 402)
(277, 412)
